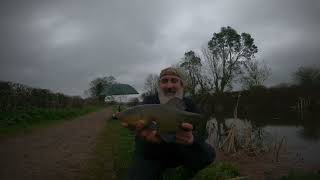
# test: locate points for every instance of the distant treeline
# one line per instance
(262, 100)
(15, 96)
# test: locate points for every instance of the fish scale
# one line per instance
(167, 116)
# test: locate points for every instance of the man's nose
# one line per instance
(170, 84)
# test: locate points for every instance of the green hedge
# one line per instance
(25, 118)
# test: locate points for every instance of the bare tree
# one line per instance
(151, 84)
(307, 76)
(255, 73)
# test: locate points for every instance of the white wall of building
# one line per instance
(123, 98)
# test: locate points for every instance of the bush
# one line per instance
(218, 171)
(24, 118)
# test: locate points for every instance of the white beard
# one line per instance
(165, 98)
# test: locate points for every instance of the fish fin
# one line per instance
(177, 103)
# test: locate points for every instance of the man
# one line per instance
(153, 154)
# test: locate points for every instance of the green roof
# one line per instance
(119, 89)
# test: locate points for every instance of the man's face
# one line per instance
(170, 85)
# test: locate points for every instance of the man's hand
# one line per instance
(148, 135)
(185, 136)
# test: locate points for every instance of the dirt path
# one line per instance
(58, 152)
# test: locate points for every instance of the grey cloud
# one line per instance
(62, 45)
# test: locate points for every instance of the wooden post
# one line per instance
(235, 111)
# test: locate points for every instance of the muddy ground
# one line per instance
(61, 151)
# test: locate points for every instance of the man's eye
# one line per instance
(174, 80)
(164, 80)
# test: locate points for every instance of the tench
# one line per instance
(168, 117)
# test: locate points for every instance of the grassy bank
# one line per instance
(24, 120)
(114, 154)
(297, 175)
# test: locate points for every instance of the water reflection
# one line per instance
(302, 135)
(311, 129)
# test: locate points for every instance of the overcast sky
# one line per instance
(62, 45)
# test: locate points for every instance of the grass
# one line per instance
(25, 120)
(297, 175)
(218, 171)
(114, 154)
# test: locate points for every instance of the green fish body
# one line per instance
(168, 117)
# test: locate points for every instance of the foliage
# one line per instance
(225, 55)
(21, 119)
(14, 96)
(218, 171)
(307, 77)
(22, 106)
(192, 66)
(98, 85)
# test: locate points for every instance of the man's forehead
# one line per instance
(170, 71)
(170, 77)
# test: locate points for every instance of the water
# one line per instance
(298, 144)
(302, 137)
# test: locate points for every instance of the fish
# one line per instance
(168, 117)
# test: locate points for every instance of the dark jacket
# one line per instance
(165, 150)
